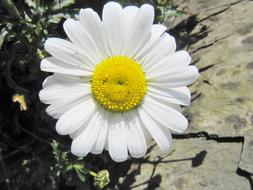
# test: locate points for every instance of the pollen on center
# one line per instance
(118, 83)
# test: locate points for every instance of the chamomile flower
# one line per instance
(118, 82)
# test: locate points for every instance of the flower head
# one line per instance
(101, 179)
(117, 82)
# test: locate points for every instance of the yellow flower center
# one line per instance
(118, 83)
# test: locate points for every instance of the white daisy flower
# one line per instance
(117, 82)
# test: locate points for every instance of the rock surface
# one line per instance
(193, 164)
(217, 150)
(224, 103)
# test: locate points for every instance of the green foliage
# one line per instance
(34, 20)
(64, 165)
(30, 160)
(101, 179)
(3, 33)
(10, 6)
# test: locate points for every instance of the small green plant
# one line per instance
(64, 165)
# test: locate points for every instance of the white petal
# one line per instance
(165, 115)
(106, 143)
(73, 119)
(147, 135)
(49, 81)
(166, 103)
(51, 64)
(101, 139)
(117, 138)
(64, 91)
(167, 133)
(59, 107)
(62, 78)
(176, 77)
(156, 32)
(79, 36)
(179, 95)
(93, 25)
(160, 49)
(140, 31)
(83, 143)
(129, 13)
(58, 78)
(113, 22)
(69, 53)
(174, 60)
(54, 85)
(154, 129)
(136, 141)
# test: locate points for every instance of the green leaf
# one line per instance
(60, 4)
(178, 13)
(12, 9)
(78, 166)
(55, 19)
(3, 34)
(35, 7)
(70, 167)
(80, 175)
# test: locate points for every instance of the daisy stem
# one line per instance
(89, 172)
